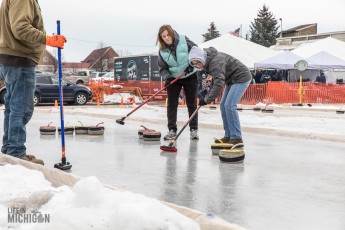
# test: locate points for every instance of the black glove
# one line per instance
(168, 80)
(202, 102)
(189, 69)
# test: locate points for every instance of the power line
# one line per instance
(80, 40)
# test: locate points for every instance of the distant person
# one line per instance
(229, 72)
(22, 43)
(172, 62)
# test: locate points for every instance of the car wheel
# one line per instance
(80, 98)
(2, 96)
(36, 99)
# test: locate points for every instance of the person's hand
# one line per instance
(56, 41)
(189, 69)
(202, 102)
(168, 80)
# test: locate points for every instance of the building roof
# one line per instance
(76, 64)
(96, 54)
(298, 28)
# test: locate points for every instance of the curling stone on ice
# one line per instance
(69, 130)
(257, 109)
(81, 129)
(48, 130)
(96, 130)
(266, 110)
(234, 155)
(151, 135)
(216, 147)
(340, 111)
(141, 131)
(213, 107)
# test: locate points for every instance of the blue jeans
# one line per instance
(19, 106)
(228, 107)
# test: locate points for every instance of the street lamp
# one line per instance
(281, 27)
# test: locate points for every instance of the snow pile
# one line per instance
(88, 205)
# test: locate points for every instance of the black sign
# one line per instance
(132, 69)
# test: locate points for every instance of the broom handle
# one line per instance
(61, 100)
(148, 99)
(185, 125)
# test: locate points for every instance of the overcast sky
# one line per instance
(130, 27)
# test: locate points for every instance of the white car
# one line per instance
(108, 76)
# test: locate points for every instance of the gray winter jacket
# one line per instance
(224, 69)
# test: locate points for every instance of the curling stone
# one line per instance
(140, 133)
(142, 130)
(81, 129)
(216, 147)
(151, 135)
(48, 130)
(267, 110)
(69, 130)
(340, 111)
(257, 109)
(96, 130)
(234, 155)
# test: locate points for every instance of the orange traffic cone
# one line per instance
(182, 101)
(55, 103)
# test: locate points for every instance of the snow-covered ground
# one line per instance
(88, 205)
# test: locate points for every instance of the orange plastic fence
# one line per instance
(104, 87)
(289, 92)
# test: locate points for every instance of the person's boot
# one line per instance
(235, 141)
(222, 140)
(32, 159)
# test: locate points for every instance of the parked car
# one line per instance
(82, 77)
(47, 91)
(96, 75)
(108, 76)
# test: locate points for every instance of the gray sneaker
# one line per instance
(194, 134)
(170, 135)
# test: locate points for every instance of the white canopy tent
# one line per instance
(325, 61)
(331, 45)
(285, 60)
(246, 51)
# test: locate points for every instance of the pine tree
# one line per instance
(264, 29)
(212, 33)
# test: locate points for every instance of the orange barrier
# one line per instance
(289, 92)
(104, 87)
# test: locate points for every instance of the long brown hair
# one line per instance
(160, 40)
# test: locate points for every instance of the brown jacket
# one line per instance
(21, 29)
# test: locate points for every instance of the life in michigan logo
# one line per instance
(19, 215)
